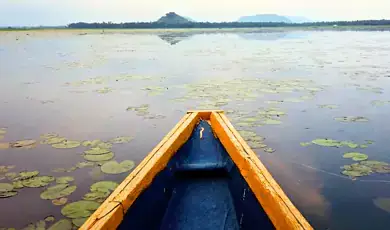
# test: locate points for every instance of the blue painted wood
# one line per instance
(200, 189)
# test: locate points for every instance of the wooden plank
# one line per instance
(281, 211)
(110, 214)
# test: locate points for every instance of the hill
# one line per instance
(173, 18)
(298, 19)
(264, 18)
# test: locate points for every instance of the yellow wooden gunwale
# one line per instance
(279, 208)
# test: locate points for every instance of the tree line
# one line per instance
(150, 25)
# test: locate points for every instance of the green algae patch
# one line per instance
(80, 209)
(113, 167)
(64, 179)
(58, 191)
(63, 224)
(356, 156)
(382, 203)
(351, 119)
(67, 145)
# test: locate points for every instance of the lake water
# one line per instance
(50, 82)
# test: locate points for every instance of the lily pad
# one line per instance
(269, 150)
(100, 157)
(25, 144)
(246, 134)
(257, 145)
(80, 209)
(374, 163)
(382, 203)
(63, 224)
(304, 144)
(38, 181)
(91, 143)
(53, 140)
(326, 142)
(349, 144)
(59, 201)
(104, 90)
(104, 145)
(6, 187)
(356, 170)
(58, 191)
(18, 184)
(27, 175)
(49, 219)
(67, 145)
(64, 179)
(84, 164)
(3, 131)
(49, 135)
(11, 175)
(96, 196)
(79, 221)
(351, 119)
(5, 145)
(328, 106)
(356, 156)
(104, 186)
(271, 122)
(113, 167)
(120, 140)
(8, 194)
(97, 151)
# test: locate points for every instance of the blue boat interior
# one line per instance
(200, 188)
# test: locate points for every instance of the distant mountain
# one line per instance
(173, 18)
(264, 18)
(189, 19)
(298, 19)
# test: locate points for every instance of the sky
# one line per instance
(54, 12)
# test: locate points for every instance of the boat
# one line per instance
(202, 175)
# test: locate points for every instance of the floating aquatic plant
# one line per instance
(100, 157)
(120, 140)
(356, 156)
(269, 150)
(53, 140)
(100, 190)
(334, 143)
(7, 190)
(382, 203)
(5, 145)
(58, 191)
(24, 144)
(64, 179)
(49, 135)
(351, 119)
(113, 167)
(328, 106)
(141, 110)
(356, 170)
(379, 103)
(38, 181)
(92, 143)
(304, 144)
(63, 224)
(80, 209)
(271, 122)
(27, 175)
(67, 144)
(17, 184)
(104, 90)
(84, 164)
(79, 221)
(97, 151)
(59, 201)
(104, 145)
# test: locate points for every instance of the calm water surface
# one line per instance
(39, 72)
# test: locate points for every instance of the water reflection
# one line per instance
(271, 36)
(174, 38)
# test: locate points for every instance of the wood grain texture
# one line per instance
(281, 211)
(110, 214)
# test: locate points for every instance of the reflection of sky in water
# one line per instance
(334, 60)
